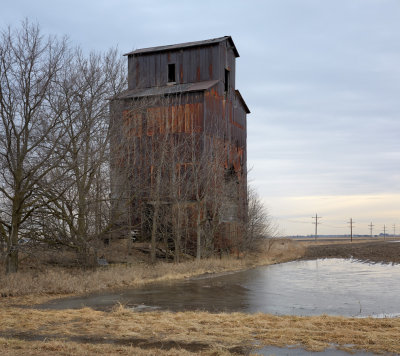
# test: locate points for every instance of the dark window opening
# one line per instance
(171, 72)
(227, 73)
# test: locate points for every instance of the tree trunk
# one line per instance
(12, 243)
(198, 232)
(154, 234)
(12, 252)
(177, 250)
(12, 261)
(178, 232)
(157, 204)
(82, 238)
(3, 237)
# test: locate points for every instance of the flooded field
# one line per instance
(329, 286)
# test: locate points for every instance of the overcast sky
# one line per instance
(321, 78)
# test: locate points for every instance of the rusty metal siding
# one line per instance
(178, 113)
(226, 119)
(136, 134)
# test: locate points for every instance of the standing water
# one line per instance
(330, 286)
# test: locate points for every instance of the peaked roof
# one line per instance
(176, 89)
(185, 45)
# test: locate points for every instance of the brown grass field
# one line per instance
(65, 281)
(28, 331)
(124, 332)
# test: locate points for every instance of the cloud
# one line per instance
(321, 78)
(294, 214)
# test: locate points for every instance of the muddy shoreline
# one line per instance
(371, 252)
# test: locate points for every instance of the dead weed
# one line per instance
(191, 332)
(61, 281)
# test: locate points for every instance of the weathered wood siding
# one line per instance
(213, 113)
(191, 65)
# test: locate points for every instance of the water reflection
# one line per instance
(331, 286)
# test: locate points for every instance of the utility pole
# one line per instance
(394, 230)
(384, 232)
(316, 223)
(370, 228)
(351, 222)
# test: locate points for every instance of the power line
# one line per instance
(351, 222)
(316, 223)
(370, 228)
(335, 226)
(296, 221)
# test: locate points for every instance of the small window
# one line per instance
(171, 72)
(227, 73)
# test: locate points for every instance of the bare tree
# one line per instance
(181, 192)
(216, 190)
(185, 191)
(30, 127)
(259, 223)
(138, 163)
(167, 190)
(150, 155)
(81, 212)
(199, 178)
(159, 154)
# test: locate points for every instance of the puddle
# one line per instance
(330, 286)
(143, 307)
(289, 351)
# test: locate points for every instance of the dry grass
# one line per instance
(62, 281)
(16, 347)
(123, 331)
(26, 331)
